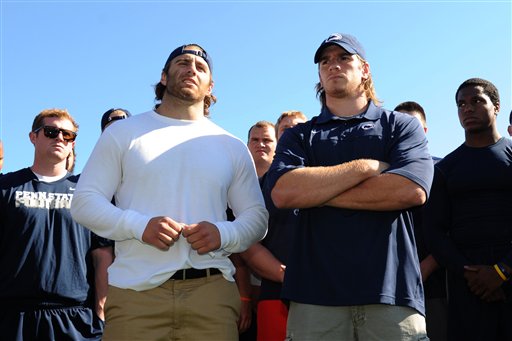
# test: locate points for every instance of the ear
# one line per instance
(163, 78)
(509, 128)
(365, 67)
(210, 88)
(32, 136)
(497, 108)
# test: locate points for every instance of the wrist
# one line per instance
(502, 271)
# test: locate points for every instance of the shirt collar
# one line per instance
(371, 114)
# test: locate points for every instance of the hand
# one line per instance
(482, 280)
(427, 266)
(162, 232)
(202, 237)
(244, 320)
(497, 295)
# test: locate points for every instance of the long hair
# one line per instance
(209, 100)
(366, 84)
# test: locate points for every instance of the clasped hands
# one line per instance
(163, 232)
(484, 282)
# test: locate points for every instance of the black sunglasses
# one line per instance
(52, 133)
(115, 118)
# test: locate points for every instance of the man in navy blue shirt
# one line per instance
(46, 273)
(353, 273)
(468, 218)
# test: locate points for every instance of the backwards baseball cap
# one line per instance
(183, 49)
(106, 119)
(345, 41)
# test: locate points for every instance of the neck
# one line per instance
(43, 168)
(482, 139)
(347, 106)
(179, 109)
(262, 168)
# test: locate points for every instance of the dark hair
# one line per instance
(489, 89)
(510, 118)
(410, 107)
(260, 124)
(209, 100)
(105, 118)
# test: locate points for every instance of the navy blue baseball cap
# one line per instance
(183, 49)
(106, 119)
(345, 41)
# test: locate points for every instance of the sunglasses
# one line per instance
(115, 118)
(53, 132)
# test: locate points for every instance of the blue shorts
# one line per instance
(68, 323)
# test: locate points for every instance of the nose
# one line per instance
(60, 136)
(467, 108)
(334, 66)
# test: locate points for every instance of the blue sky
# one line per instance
(89, 56)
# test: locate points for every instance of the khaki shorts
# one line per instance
(193, 309)
(378, 322)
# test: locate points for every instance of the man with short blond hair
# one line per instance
(46, 284)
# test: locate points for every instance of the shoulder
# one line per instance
(16, 178)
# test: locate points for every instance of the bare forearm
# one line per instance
(386, 192)
(263, 262)
(314, 186)
(102, 259)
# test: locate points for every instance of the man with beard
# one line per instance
(172, 173)
(352, 171)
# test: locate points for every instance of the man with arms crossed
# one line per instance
(172, 173)
(46, 290)
(353, 273)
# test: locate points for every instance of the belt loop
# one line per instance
(207, 272)
(184, 274)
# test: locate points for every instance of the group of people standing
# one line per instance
(324, 211)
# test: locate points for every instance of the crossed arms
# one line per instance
(357, 184)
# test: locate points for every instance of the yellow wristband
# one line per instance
(500, 273)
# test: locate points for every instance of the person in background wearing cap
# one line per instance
(112, 115)
(46, 284)
(353, 272)
(172, 173)
(433, 276)
(103, 248)
(467, 220)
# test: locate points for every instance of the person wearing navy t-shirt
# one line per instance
(46, 276)
(468, 218)
(353, 272)
(433, 276)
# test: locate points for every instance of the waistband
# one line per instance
(194, 273)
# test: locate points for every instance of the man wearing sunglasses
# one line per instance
(45, 282)
(172, 172)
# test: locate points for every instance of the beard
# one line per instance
(183, 93)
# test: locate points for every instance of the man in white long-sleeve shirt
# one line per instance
(172, 173)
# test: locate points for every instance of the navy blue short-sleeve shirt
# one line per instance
(346, 257)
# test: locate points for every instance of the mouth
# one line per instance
(189, 81)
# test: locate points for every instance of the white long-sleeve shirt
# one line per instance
(189, 171)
